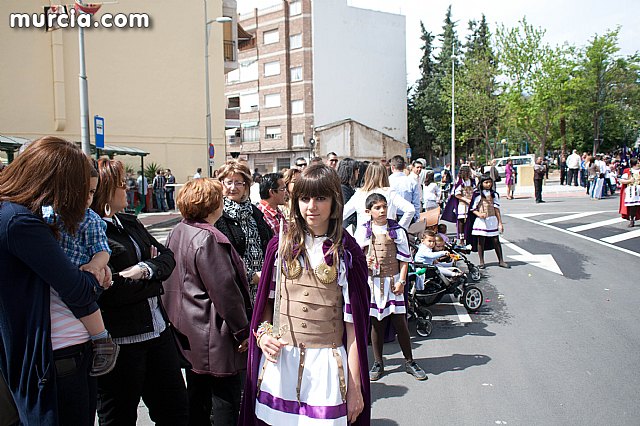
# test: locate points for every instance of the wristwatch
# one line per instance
(146, 270)
(403, 282)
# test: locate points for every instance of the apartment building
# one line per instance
(306, 64)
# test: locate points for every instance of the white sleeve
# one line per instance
(344, 285)
(350, 207)
(496, 200)
(402, 246)
(406, 207)
(361, 236)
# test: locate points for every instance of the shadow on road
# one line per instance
(380, 390)
(383, 422)
(450, 329)
(455, 362)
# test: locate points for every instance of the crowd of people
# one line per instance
(266, 305)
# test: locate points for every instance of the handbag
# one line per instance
(498, 178)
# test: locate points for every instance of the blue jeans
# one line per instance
(160, 199)
(76, 390)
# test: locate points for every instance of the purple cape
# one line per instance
(468, 227)
(450, 212)
(359, 302)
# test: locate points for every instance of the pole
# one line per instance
(206, 84)
(453, 118)
(84, 94)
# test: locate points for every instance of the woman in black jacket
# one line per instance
(148, 365)
(241, 222)
(348, 172)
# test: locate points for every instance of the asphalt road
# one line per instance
(547, 347)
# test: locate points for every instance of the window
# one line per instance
(298, 139)
(295, 7)
(297, 106)
(248, 71)
(272, 100)
(272, 36)
(272, 132)
(295, 41)
(249, 102)
(250, 134)
(271, 68)
(233, 102)
(283, 163)
(296, 74)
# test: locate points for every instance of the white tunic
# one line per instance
(395, 202)
(486, 227)
(463, 207)
(632, 192)
(383, 301)
(320, 398)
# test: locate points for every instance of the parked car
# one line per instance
(518, 160)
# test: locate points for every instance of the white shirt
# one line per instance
(196, 175)
(395, 202)
(573, 161)
(407, 187)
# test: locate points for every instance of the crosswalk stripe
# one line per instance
(570, 217)
(622, 237)
(593, 225)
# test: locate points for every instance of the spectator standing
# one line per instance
(404, 185)
(143, 189)
(159, 182)
(573, 167)
(493, 173)
(332, 160)
(301, 163)
(132, 186)
(510, 174)
(207, 299)
(170, 190)
(432, 192)
(197, 174)
(417, 174)
(348, 172)
(273, 193)
(539, 170)
(241, 222)
(563, 170)
(291, 176)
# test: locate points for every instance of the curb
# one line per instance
(164, 224)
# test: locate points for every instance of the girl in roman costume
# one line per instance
(310, 367)
(484, 225)
(630, 192)
(457, 207)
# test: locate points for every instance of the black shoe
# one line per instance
(542, 201)
(376, 371)
(414, 369)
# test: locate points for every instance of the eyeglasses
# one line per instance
(301, 165)
(231, 184)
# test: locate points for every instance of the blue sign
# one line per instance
(212, 151)
(408, 152)
(99, 131)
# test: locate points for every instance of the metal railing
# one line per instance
(229, 50)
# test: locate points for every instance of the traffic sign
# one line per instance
(99, 131)
(212, 151)
(408, 152)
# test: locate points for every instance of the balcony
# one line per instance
(232, 117)
(230, 56)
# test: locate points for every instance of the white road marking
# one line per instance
(570, 217)
(593, 225)
(519, 215)
(543, 261)
(463, 315)
(622, 237)
(584, 237)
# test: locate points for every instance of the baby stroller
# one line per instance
(427, 286)
(458, 253)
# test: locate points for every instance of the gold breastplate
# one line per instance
(486, 206)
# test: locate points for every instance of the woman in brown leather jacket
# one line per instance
(207, 299)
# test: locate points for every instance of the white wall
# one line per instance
(359, 67)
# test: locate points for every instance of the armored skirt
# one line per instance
(307, 386)
(487, 227)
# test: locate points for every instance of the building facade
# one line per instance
(309, 64)
(147, 83)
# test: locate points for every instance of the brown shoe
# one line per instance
(105, 354)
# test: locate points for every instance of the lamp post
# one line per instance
(453, 117)
(207, 23)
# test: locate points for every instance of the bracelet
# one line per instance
(264, 328)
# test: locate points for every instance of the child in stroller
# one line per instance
(429, 283)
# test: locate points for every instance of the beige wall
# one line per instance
(148, 84)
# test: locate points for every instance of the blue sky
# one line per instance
(572, 21)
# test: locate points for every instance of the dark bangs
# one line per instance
(317, 181)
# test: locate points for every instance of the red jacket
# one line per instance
(207, 298)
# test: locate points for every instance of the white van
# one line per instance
(518, 160)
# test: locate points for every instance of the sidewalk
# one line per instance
(550, 189)
(160, 219)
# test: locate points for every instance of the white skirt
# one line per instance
(632, 196)
(383, 301)
(486, 227)
(320, 398)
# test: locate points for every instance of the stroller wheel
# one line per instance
(472, 298)
(474, 273)
(423, 327)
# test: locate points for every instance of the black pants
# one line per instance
(537, 184)
(171, 203)
(76, 390)
(213, 400)
(149, 370)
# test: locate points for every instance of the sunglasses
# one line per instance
(301, 165)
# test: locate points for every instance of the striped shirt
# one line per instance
(66, 329)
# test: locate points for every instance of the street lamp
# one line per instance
(453, 117)
(207, 23)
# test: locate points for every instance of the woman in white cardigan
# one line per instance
(376, 180)
(431, 192)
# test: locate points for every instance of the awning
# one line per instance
(231, 132)
(12, 143)
(243, 35)
(120, 150)
(249, 124)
